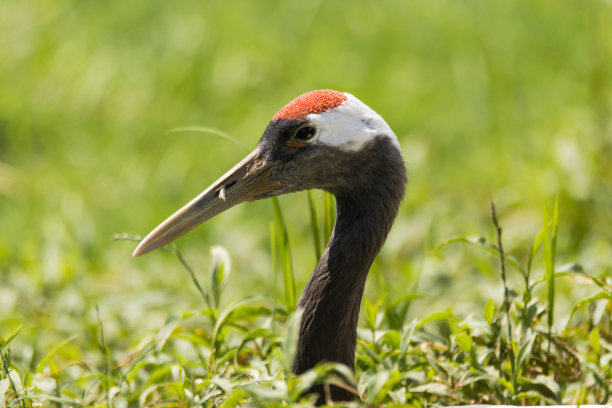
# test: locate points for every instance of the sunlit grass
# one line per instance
(226, 355)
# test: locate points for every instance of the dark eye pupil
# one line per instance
(305, 133)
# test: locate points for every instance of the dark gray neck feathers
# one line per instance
(332, 297)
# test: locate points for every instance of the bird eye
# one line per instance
(305, 134)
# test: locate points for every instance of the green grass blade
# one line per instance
(165, 332)
(291, 340)
(14, 380)
(204, 129)
(537, 243)
(502, 257)
(414, 289)
(524, 351)
(482, 243)
(105, 353)
(45, 360)
(63, 402)
(586, 301)
(174, 250)
(273, 246)
(314, 224)
(10, 338)
(226, 315)
(446, 315)
(284, 252)
(329, 209)
(550, 241)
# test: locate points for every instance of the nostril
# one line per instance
(220, 193)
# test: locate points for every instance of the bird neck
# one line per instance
(331, 300)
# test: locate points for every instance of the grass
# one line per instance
(114, 114)
(227, 356)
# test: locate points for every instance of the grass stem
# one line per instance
(284, 253)
(314, 224)
(498, 231)
(105, 353)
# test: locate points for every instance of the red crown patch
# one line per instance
(310, 102)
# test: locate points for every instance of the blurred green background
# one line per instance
(508, 100)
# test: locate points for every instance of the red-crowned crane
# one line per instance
(331, 141)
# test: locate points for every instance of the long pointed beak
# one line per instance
(248, 180)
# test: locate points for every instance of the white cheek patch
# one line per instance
(350, 126)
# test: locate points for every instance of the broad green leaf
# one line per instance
(594, 340)
(524, 351)
(432, 388)
(489, 311)
(375, 384)
(464, 340)
(392, 338)
(539, 387)
(4, 387)
(371, 314)
(448, 316)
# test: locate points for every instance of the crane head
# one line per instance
(322, 139)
